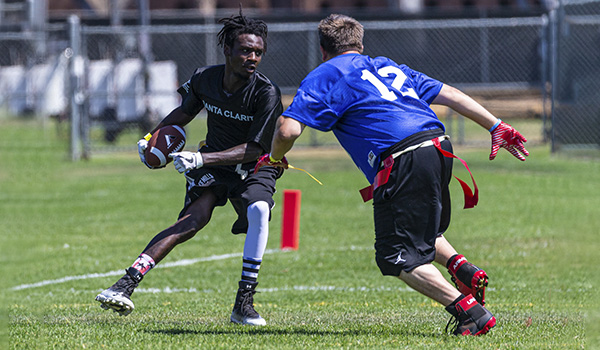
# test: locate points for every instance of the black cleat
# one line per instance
(118, 296)
(243, 309)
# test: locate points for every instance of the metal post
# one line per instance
(145, 49)
(210, 48)
(485, 54)
(145, 44)
(544, 74)
(115, 13)
(553, 75)
(76, 95)
(312, 62)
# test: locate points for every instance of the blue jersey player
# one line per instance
(380, 113)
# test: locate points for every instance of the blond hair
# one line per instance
(340, 33)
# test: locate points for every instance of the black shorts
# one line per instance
(412, 209)
(226, 184)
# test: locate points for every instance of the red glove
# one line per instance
(266, 159)
(505, 136)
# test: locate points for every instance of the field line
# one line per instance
(298, 288)
(183, 262)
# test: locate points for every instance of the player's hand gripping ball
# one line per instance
(166, 140)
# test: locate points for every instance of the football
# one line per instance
(166, 140)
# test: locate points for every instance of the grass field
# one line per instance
(69, 229)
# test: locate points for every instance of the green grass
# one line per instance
(534, 231)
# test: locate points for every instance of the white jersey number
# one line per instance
(399, 79)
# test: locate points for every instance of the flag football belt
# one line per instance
(383, 175)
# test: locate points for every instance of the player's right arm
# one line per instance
(191, 105)
(462, 103)
(503, 135)
(287, 131)
(176, 117)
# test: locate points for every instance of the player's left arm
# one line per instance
(503, 135)
(244, 153)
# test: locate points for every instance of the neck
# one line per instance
(232, 81)
(328, 56)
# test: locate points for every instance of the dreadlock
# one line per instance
(238, 25)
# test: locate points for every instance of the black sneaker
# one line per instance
(118, 296)
(470, 318)
(243, 309)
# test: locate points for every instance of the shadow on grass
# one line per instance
(237, 330)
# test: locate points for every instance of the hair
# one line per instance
(238, 25)
(340, 33)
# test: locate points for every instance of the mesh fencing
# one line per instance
(576, 117)
(113, 84)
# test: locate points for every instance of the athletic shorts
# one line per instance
(227, 184)
(412, 209)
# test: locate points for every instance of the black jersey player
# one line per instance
(242, 106)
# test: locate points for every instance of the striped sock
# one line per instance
(143, 264)
(250, 269)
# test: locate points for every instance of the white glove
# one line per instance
(142, 145)
(184, 161)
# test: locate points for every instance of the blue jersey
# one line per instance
(369, 103)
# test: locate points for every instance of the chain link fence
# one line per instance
(113, 84)
(576, 76)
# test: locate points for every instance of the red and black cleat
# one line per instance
(470, 318)
(468, 278)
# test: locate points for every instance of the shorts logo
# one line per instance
(204, 179)
(399, 259)
(371, 158)
(186, 86)
(201, 182)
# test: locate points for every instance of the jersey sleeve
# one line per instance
(311, 111)
(427, 88)
(269, 108)
(191, 104)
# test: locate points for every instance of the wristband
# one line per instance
(495, 125)
(273, 159)
(148, 137)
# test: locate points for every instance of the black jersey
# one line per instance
(247, 115)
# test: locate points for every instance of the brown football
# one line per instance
(166, 140)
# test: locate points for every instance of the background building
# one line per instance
(34, 13)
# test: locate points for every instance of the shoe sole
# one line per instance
(121, 306)
(489, 325)
(486, 328)
(477, 288)
(250, 322)
(479, 283)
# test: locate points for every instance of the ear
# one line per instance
(323, 53)
(226, 50)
